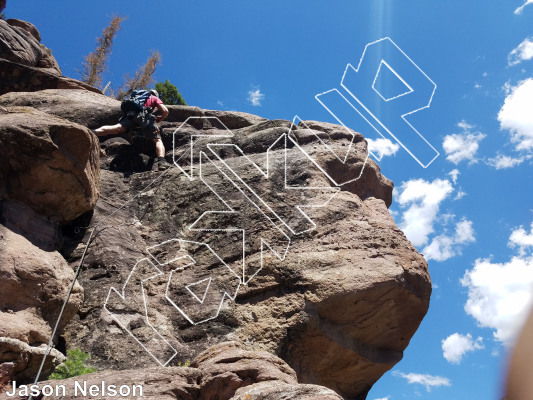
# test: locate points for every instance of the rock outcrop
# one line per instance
(33, 287)
(265, 233)
(49, 173)
(28, 65)
(48, 163)
(340, 308)
(76, 105)
(225, 371)
(20, 42)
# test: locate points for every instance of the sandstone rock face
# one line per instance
(93, 109)
(48, 163)
(76, 105)
(263, 233)
(221, 373)
(227, 367)
(274, 390)
(25, 25)
(21, 78)
(28, 65)
(33, 286)
(18, 43)
(38, 229)
(334, 288)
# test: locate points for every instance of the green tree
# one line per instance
(169, 93)
(73, 366)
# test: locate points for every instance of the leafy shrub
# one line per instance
(73, 366)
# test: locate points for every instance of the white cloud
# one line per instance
(429, 381)
(521, 239)
(507, 88)
(460, 194)
(444, 247)
(383, 398)
(462, 146)
(440, 249)
(519, 9)
(382, 147)
(464, 233)
(464, 125)
(502, 161)
(421, 200)
(455, 346)
(454, 174)
(500, 294)
(523, 52)
(255, 97)
(516, 116)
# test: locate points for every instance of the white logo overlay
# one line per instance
(385, 89)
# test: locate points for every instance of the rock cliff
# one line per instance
(271, 234)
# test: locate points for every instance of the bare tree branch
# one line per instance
(95, 63)
(143, 78)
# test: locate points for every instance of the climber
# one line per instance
(146, 121)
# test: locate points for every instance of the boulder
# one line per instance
(21, 362)
(275, 390)
(339, 307)
(19, 44)
(25, 25)
(48, 62)
(33, 287)
(93, 109)
(231, 119)
(223, 372)
(48, 163)
(15, 77)
(227, 367)
(38, 229)
(76, 105)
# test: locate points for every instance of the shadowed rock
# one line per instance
(48, 163)
(33, 286)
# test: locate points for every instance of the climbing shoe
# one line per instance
(162, 164)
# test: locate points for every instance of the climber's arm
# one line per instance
(164, 112)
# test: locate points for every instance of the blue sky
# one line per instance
(469, 212)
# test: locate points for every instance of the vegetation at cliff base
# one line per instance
(73, 366)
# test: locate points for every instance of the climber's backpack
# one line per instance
(133, 103)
